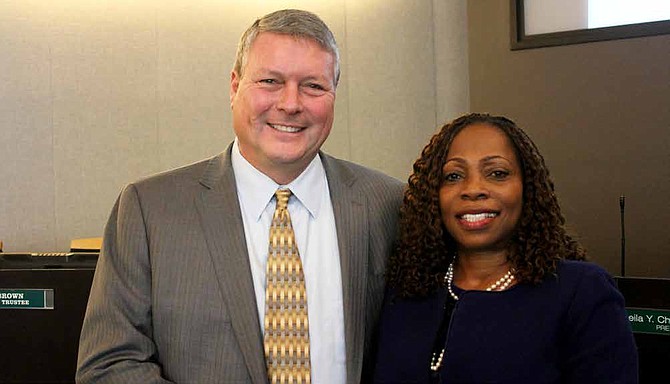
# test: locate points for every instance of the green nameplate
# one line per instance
(15, 298)
(649, 320)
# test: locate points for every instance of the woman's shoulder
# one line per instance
(578, 270)
(580, 267)
(407, 313)
(585, 277)
(393, 297)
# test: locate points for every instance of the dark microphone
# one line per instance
(622, 204)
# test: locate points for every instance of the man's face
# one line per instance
(283, 105)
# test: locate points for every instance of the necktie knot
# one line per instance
(282, 198)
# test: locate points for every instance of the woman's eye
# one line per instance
(500, 174)
(452, 176)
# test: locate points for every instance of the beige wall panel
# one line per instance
(26, 149)
(391, 68)
(196, 46)
(104, 101)
(452, 80)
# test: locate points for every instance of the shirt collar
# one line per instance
(255, 189)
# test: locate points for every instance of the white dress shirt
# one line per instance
(314, 225)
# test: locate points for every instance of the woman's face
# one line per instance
(481, 196)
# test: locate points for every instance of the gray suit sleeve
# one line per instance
(116, 343)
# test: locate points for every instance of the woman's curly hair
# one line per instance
(425, 248)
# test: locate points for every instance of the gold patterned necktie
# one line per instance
(286, 336)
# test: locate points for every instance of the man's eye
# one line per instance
(268, 81)
(314, 89)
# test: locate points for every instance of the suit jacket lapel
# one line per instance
(351, 221)
(222, 224)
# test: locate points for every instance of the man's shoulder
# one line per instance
(367, 175)
(183, 175)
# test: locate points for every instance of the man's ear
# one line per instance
(234, 85)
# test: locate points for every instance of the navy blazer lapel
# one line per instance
(351, 221)
(221, 221)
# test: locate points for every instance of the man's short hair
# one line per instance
(292, 22)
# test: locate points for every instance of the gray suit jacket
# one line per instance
(172, 299)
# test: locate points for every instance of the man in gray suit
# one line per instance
(179, 290)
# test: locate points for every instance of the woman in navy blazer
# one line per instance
(486, 285)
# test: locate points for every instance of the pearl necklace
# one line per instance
(500, 285)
